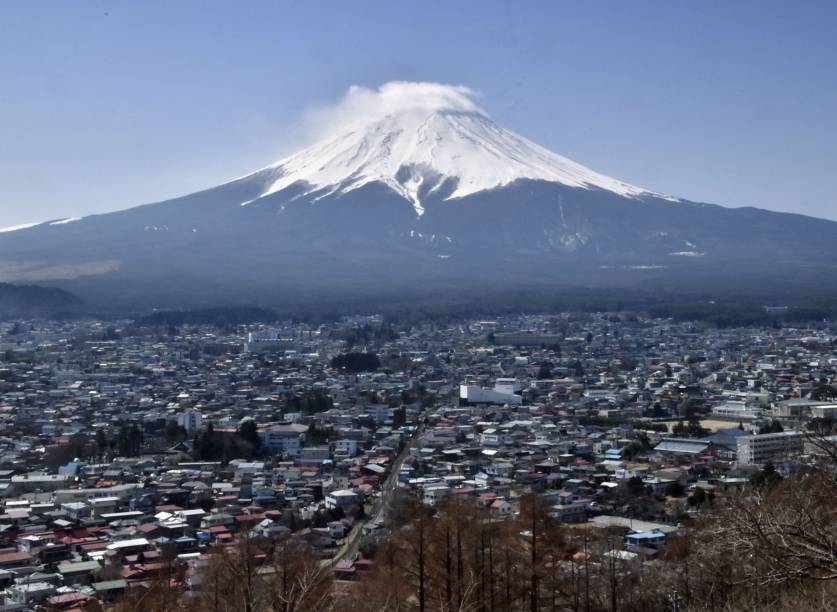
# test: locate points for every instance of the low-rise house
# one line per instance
(343, 499)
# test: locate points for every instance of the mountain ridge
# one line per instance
(399, 211)
(33, 299)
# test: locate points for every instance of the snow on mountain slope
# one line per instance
(17, 228)
(414, 137)
(25, 226)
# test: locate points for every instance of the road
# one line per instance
(381, 505)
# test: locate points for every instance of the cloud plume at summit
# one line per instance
(362, 105)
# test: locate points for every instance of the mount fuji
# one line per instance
(414, 185)
(420, 153)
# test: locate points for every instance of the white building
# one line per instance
(737, 410)
(774, 447)
(472, 394)
(346, 447)
(269, 341)
(491, 437)
(435, 493)
(249, 469)
(380, 412)
(284, 439)
(507, 385)
(191, 421)
(344, 499)
(314, 454)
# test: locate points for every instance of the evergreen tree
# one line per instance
(129, 440)
(174, 433)
(101, 441)
(249, 432)
(766, 477)
(207, 446)
(773, 427)
(353, 363)
(694, 429)
(824, 392)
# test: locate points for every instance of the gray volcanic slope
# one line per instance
(428, 201)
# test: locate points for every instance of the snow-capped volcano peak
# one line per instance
(417, 138)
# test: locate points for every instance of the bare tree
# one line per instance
(787, 532)
(416, 538)
(296, 580)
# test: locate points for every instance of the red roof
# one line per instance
(96, 545)
(249, 518)
(67, 599)
(14, 557)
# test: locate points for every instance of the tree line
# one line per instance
(354, 363)
(211, 445)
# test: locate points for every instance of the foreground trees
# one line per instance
(773, 545)
(460, 557)
(253, 575)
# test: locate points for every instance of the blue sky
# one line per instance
(104, 105)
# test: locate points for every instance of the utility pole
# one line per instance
(675, 600)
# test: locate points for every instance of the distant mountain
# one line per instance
(31, 299)
(431, 194)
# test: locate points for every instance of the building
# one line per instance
(435, 493)
(249, 469)
(343, 499)
(774, 447)
(346, 446)
(39, 481)
(473, 394)
(283, 439)
(191, 421)
(736, 410)
(683, 447)
(270, 341)
(654, 539)
(314, 454)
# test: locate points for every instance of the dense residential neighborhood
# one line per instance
(128, 450)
